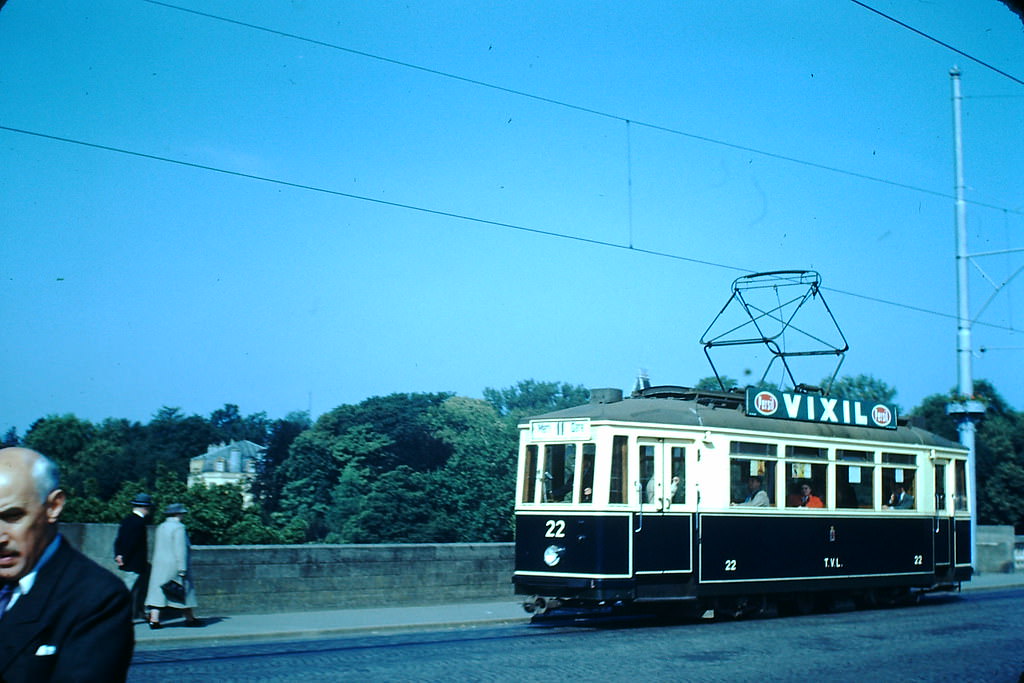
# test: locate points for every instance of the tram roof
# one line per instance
(727, 415)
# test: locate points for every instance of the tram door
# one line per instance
(661, 529)
(944, 529)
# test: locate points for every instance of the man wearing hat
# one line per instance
(131, 552)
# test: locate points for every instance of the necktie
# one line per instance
(6, 591)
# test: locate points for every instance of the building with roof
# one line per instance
(227, 463)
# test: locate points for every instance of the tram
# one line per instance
(728, 500)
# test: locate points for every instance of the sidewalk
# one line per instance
(222, 630)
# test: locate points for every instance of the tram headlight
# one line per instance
(553, 555)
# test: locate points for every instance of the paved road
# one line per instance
(974, 636)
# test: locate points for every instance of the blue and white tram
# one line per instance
(726, 500)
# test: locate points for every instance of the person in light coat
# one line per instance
(171, 563)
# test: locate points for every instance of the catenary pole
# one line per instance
(965, 409)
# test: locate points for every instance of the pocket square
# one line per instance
(46, 650)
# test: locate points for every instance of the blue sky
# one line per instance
(295, 205)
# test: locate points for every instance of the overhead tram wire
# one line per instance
(577, 107)
(455, 216)
(939, 42)
(372, 200)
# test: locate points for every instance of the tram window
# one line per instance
(960, 471)
(530, 475)
(855, 486)
(899, 458)
(768, 450)
(616, 482)
(805, 486)
(748, 479)
(898, 488)
(806, 452)
(559, 470)
(862, 456)
(647, 481)
(678, 472)
(587, 476)
(940, 487)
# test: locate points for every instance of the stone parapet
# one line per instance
(252, 579)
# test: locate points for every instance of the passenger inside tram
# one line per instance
(807, 497)
(757, 496)
(900, 498)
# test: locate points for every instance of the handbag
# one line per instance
(174, 591)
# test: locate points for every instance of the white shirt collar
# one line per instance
(29, 580)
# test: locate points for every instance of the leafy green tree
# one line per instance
(311, 473)
(712, 384)
(477, 484)
(212, 510)
(64, 439)
(1003, 501)
(348, 497)
(172, 439)
(530, 397)
(399, 509)
(862, 388)
(268, 482)
(10, 438)
(230, 426)
(932, 416)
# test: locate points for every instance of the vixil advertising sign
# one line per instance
(814, 408)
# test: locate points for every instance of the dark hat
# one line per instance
(175, 509)
(143, 500)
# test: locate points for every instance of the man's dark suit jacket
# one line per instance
(74, 625)
(131, 544)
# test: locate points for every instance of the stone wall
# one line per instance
(994, 549)
(277, 578)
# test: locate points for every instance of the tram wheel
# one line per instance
(746, 607)
(866, 600)
(797, 604)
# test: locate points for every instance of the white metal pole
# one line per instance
(966, 410)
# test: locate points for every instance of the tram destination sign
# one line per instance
(814, 408)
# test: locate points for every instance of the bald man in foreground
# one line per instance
(62, 616)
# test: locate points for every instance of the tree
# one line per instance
(64, 439)
(399, 509)
(10, 438)
(712, 384)
(530, 397)
(347, 498)
(477, 484)
(229, 425)
(862, 388)
(310, 473)
(267, 485)
(172, 439)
